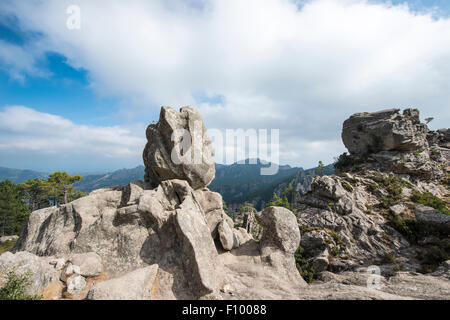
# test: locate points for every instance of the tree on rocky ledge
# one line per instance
(61, 185)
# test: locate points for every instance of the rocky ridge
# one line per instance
(378, 209)
(164, 238)
(168, 238)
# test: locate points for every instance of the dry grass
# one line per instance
(155, 286)
(53, 291)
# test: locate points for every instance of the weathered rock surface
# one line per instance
(196, 165)
(75, 284)
(169, 238)
(228, 238)
(432, 216)
(335, 219)
(403, 285)
(394, 142)
(366, 216)
(42, 274)
(8, 238)
(279, 229)
(386, 130)
(135, 285)
(90, 264)
(279, 241)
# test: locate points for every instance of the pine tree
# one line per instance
(280, 202)
(61, 186)
(34, 192)
(13, 211)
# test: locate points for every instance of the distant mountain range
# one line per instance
(17, 175)
(237, 183)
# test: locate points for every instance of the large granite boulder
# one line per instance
(178, 147)
(392, 142)
(386, 130)
(279, 241)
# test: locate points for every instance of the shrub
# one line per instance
(398, 267)
(389, 258)
(303, 266)
(429, 200)
(6, 246)
(15, 287)
(279, 202)
(347, 187)
(389, 201)
(346, 162)
(432, 254)
(400, 225)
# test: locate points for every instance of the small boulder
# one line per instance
(75, 284)
(280, 229)
(90, 264)
(228, 238)
(68, 271)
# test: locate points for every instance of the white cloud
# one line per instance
(24, 129)
(19, 62)
(303, 71)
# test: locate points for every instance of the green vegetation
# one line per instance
(393, 185)
(429, 200)
(398, 267)
(289, 193)
(347, 187)
(246, 206)
(6, 246)
(34, 192)
(225, 207)
(61, 185)
(437, 248)
(346, 162)
(13, 211)
(18, 200)
(389, 258)
(279, 202)
(303, 266)
(320, 168)
(429, 119)
(15, 287)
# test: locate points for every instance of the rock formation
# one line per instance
(163, 155)
(398, 143)
(165, 238)
(373, 212)
(168, 237)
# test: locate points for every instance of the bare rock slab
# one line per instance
(135, 285)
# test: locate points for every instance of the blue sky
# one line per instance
(288, 70)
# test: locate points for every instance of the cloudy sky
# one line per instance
(80, 99)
